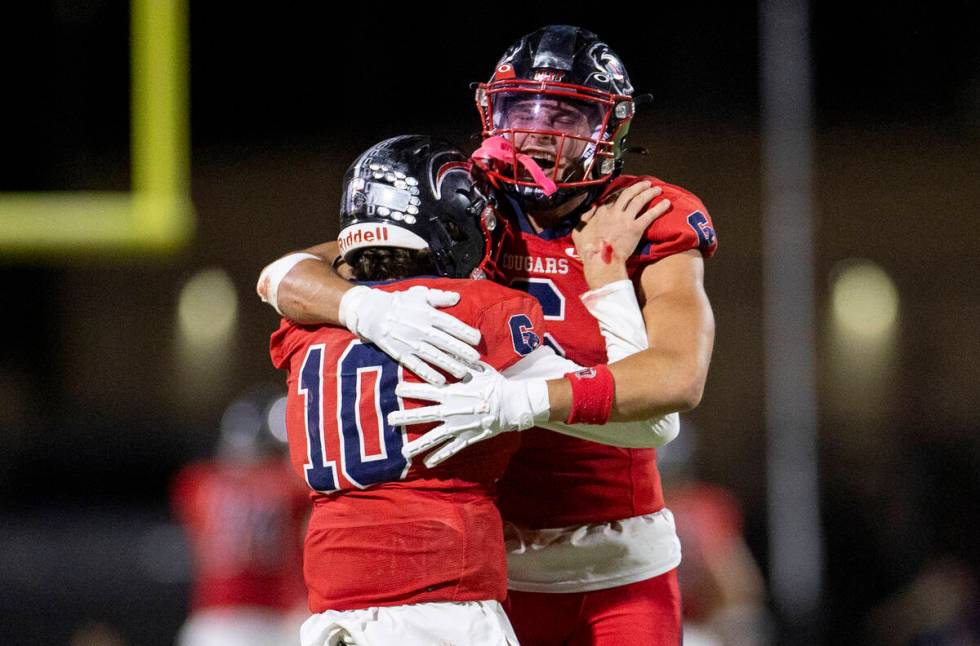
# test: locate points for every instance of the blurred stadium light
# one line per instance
(157, 214)
(863, 344)
(865, 301)
(207, 309)
(207, 322)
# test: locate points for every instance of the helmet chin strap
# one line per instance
(499, 149)
(533, 203)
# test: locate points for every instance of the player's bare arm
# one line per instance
(311, 290)
(407, 326)
(670, 375)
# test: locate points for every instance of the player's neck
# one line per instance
(541, 220)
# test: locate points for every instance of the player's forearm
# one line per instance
(647, 433)
(553, 409)
(675, 385)
(670, 375)
(560, 398)
(641, 393)
(665, 378)
(310, 291)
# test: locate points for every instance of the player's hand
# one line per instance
(470, 412)
(407, 327)
(608, 233)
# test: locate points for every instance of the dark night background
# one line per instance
(93, 422)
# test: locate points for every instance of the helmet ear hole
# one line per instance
(454, 231)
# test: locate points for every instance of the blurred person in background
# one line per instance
(244, 515)
(555, 116)
(939, 607)
(722, 585)
(924, 543)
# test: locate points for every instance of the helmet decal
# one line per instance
(609, 68)
(548, 75)
(504, 71)
(381, 234)
(438, 176)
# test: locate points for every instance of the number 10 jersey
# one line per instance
(385, 531)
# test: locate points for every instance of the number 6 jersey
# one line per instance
(560, 481)
(385, 531)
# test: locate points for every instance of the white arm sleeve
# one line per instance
(616, 309)
(544, 363)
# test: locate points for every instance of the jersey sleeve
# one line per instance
(511, 329)
(686, 225)
(285, 341)
(282, 344)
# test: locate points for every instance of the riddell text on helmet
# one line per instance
(378, 234)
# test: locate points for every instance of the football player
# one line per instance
(399, 552)
(244, 515)
(592, 547)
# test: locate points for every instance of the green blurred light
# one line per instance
(207, 310)
(865, 300)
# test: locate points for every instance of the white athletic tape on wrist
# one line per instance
(272, 275)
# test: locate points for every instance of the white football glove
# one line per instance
(472, 411)
(407, 327)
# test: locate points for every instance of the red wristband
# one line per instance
(593, 391)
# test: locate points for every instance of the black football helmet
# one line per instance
(416, 192)
(561, 96)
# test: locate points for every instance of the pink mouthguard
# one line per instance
(502, 150)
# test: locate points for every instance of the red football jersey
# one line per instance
(709, 524)
(555, 480)
(244, 522)
(384, 531)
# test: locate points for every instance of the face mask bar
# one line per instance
(575, 172)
